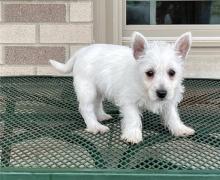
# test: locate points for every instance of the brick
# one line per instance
(33, 55)
(48, 70)
(16, 70)
(17, 33)
(77, 33)
(34, 12)
(81, 12)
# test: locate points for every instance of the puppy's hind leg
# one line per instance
(100, 113)
(86, 93)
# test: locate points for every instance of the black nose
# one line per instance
(161, 93)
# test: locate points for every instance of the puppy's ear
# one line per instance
(139, 45)
(183, 44)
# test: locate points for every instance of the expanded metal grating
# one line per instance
(40, 127)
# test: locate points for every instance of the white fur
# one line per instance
(118, 73)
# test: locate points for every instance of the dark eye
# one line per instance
(150, 73)
(171, 73)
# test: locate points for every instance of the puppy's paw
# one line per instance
(183, 131)
(104, 117)
(98, 128)
(133, 136)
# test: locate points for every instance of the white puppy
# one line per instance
(146, 76)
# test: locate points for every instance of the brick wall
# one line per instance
(31, 32)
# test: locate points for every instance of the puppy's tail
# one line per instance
(64, 68)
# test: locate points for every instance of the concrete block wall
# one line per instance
(31, 32)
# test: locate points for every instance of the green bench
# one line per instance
(42, 136)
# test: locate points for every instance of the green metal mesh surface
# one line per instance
(40, 127)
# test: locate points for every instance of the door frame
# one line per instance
(108, 21)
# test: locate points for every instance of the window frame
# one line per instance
(203, 35)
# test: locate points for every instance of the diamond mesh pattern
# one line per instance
(40, 127)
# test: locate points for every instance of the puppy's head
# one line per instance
(161, 65)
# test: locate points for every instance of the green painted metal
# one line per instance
(108, 176)
(42, 136)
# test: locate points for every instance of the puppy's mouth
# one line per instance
(161, 99)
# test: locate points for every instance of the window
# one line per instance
(172, 12)
(165, 20)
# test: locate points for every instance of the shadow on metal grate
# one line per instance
(40, 127)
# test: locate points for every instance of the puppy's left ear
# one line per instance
(139, 45)
(183, 44)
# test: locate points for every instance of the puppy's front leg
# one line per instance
(172, 121)
(131, 124)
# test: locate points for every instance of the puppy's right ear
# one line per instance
(183, 44)
(139, 45)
